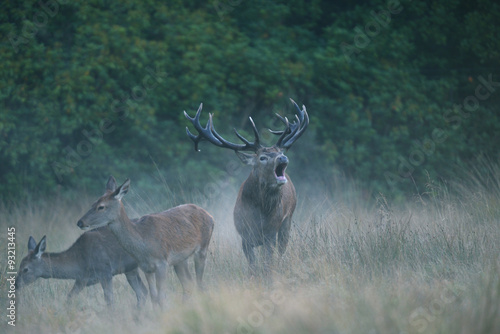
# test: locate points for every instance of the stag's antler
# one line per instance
(293, 130)
(208, 133)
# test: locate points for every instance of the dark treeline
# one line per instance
(397, 92)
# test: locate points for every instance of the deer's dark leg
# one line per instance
(77, 288)
(140, 289)
(150, 277)
(199, 266)
(161, 277)
(182, 271)
(107, 287)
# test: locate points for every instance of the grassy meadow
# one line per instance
(428, 265)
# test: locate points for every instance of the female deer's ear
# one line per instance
(122, 190)
(40, 248)
(31, 243)
(111, 185)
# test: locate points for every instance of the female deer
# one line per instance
(157, 240)
(95, 257)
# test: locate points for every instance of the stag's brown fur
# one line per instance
(158, 240)
(263, 210)
(269, 207)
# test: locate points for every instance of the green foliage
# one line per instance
(92, 88)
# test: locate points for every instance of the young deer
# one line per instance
(157, 240)
(267, 199)
(95, 257)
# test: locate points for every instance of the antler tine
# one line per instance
(297, 106)
(284, 120)
(293, 130)
(283, 133)
(203, 132)
(210, 134)
(247, 146)
(255, 133)
(195, 139)
(302, 122)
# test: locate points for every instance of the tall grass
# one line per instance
(430, 265)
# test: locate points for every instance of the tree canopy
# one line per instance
(397, 91)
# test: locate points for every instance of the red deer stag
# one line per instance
(95, 257)
(157, 240)
(267, 199)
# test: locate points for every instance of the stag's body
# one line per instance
(267, 199)
(263, 215)
(95, 257)
(158, 240)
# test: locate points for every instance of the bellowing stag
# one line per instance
(267, 199)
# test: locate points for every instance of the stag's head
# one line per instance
(269, 163)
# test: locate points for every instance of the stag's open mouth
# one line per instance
(279, 172)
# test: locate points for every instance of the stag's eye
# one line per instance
(25, 270)
(263, 158)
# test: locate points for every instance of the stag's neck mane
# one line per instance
(267, 197)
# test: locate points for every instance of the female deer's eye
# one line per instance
(25, 270)
(100, 207)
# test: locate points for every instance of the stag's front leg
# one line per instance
(284, 235)
(269, 248)
(250, 255)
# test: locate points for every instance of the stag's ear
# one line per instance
(40, 248)
(31, 243)
(247, 158)
(111, 185)
(122, 190)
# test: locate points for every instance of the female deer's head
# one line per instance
(107, 208)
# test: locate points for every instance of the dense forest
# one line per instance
(398, 92)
